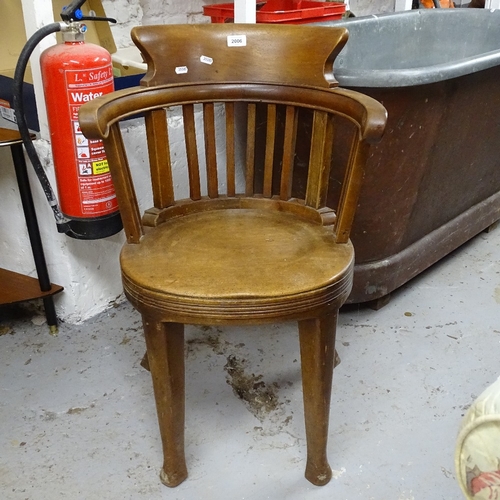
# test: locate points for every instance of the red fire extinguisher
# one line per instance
(73, 73)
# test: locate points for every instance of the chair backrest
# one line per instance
(245, 53)
(242, 110)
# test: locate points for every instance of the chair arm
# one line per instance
(94, 116)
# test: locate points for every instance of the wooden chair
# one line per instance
(238, 254)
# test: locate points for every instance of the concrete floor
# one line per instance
(77, 416)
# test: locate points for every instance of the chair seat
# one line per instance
(221, 264)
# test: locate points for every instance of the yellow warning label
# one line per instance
(100, 167)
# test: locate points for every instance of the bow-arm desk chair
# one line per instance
(233, 252)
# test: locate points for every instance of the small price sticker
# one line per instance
(236, 40)
(181, 70)
(206, 60)
(8, 114)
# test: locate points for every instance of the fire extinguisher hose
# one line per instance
(36, 38)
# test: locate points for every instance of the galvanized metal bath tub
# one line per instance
(434, 180)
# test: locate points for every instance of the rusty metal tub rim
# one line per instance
(401, 49)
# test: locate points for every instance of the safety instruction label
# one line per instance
(97, 195)
(100, 167)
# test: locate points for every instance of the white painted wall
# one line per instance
(366, 7)
(89, 270)
(492, 4)
(403, 5)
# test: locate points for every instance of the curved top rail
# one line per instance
(239, 52)
(97, 116)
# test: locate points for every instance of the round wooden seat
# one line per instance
(244, 264)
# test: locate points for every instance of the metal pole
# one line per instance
(33, 231)
(244, 11)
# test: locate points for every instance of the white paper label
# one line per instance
(206, 60)
(236, 40)
(8, 114)
(181, 70)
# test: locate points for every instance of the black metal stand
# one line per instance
(47, 289)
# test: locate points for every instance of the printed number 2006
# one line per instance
(236, 41)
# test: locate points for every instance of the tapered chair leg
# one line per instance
(165, 352)
(317, 348)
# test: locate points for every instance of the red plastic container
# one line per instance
(281, 11)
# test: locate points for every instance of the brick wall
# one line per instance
(130, 13)
(366, 7)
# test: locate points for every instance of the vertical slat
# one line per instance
(210, 149)
(319, 160)
(327, 160)
(289, 139)
(250, 152)
(191, 151)
(230, 152)
(350, 190)
(124, 187)
(159, 158)
(269, 155)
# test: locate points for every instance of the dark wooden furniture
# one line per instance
(433, 182)
(15, 287)
(231, 253)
